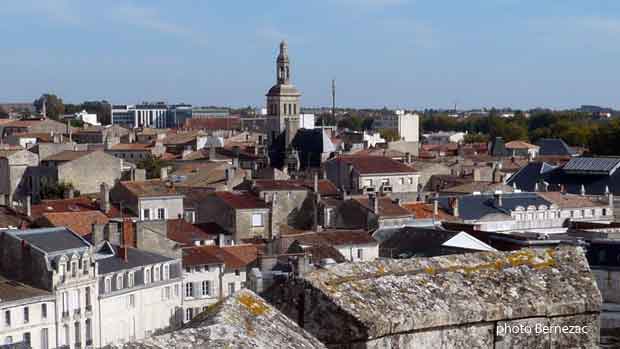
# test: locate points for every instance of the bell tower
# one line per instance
(283, 98)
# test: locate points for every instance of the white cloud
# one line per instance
(151, 19)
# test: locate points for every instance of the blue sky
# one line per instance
(395, 53)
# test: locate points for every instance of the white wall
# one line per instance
(34, 326)
(350, 252)
(173, 207)
(151, 311)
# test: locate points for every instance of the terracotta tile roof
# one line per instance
(182, 137)
(520, 145)
(213, 123)
(233, 257)
(325, 186)
(131, 146)
(387, 207)
(186, 233)
(79, 222)
(570, 200)
(238, 200)
(151, 187)
(79, 204)
(422, 210)
(67, 155)
(375, 164)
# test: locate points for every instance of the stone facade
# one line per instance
(448, 302)
(88, 172)
(13, 167)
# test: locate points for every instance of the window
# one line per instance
(77, 334)
(44, 311)
(401, 181)
(205, 288)
(166, 272)
(189, 289)
(44, 338)
(411, 180)
(188, 269)
(156, 273)
(108, 285)
(360, 253)
(257, 219)
(147, 275)
(87, 298)
(85, 266)
(132, 301)
(27, 339)
(89, 332)
(7, 318)
(188, 314)
(231, 288)
(168, 293)
(8, 340)
(74, 269)
(67, 334)
(161, 213)
(130, 279)
(146, 214)
(237, 272)
(26, 315)
(604, 212)
(119, 281)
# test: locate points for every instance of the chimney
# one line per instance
(69, 131)
(498, 198)
(28, 205)
(163, 173)
(97, 231)
(104, 197)
(315, 186)
(122, 253)
(477, 175)
(128, 238)
(373, 202)
(436, 205)
(582, 191)
(610, 198)
(454, 204)
(212, 152)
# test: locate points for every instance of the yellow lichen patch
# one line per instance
(430, 270)
(380, 270)
(521, 258)
(254, 305)
(498, 264)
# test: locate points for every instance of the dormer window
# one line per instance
(147, 276)
(119, 281)
(156, 273)
(108, 285)
(166, 271)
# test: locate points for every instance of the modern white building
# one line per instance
(139, 293)
(87, 118)
(154, 115)
(407, 125)
(306, 121)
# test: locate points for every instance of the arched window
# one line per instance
(119, 281)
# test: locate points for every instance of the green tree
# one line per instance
(389, 135)
(54, 106)
(57, 190)
(476, 138)
(153, 166)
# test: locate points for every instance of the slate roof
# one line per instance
(335, 237)
(527, 177)
(554, 146)
(375, 164)
(589, 165)
(571, 200)
(475, 207)
(51, 240)
(243, 320)
(413, 241)
(386, 297)
(135, 258)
